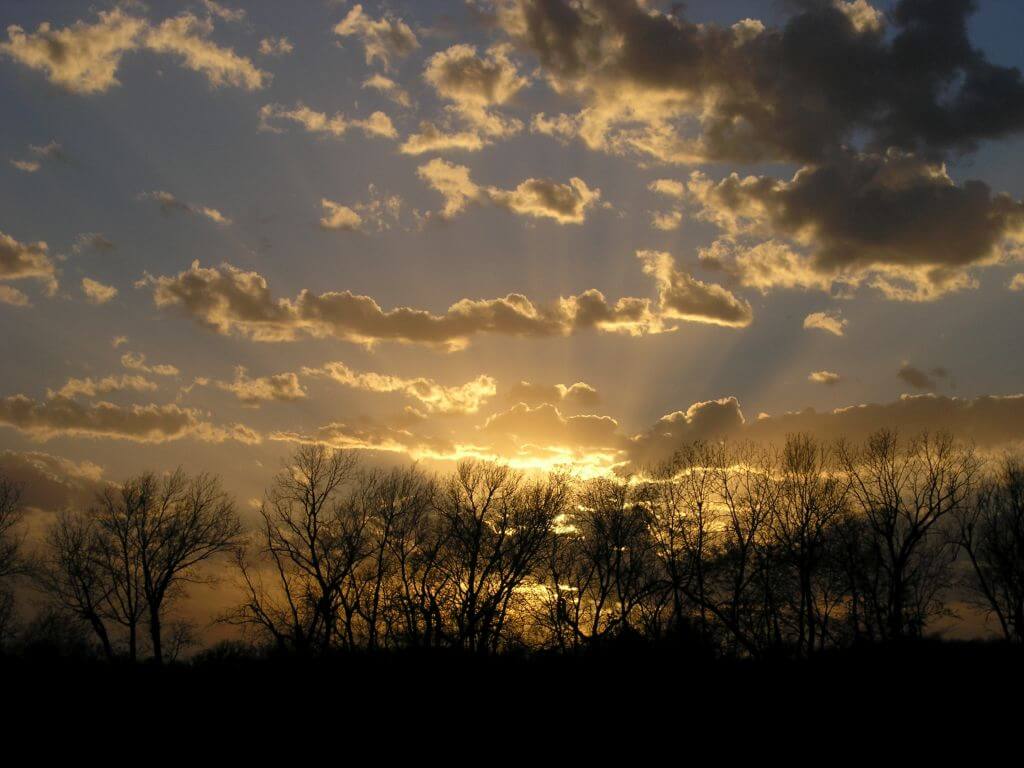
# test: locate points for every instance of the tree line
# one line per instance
(739, 550)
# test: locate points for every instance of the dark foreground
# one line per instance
(922, 676)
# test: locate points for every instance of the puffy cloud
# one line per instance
(828, 378)
(537, 198)
(473, 86)
(52, 150)
(383, 39)
(832, 322)
(84, 58)
(389, 88)
(989, 421)
(544, 198)
(223, 12)
(63, 417)
(186, 36)
(96, 292)
(895, 220)
(13, 297)
(578, 395)
(280, 386)
(137, 362)
(431, 138)
(338, 216)
(231, 301)
(377, 124)
(276, 46)
(89, 387)
(20, 261)
(919, 379)
(656, 84)
(683, 297)
(668, 188)
(379, 213)
(431, 396)
(169, 204)
(666, 221)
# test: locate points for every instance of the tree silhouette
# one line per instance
(991, 534)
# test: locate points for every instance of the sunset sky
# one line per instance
(537, 231)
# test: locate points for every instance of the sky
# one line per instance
(531, 231)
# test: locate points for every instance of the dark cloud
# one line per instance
(62, 416)
(52, 483)
(990, 422)
(895, 217)
(835, 71)
(919, 379)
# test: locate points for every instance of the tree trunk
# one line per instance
(154, 635)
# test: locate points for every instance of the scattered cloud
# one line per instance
(13, 297)
(389, 88)
(96, 292)
(384, 39)
(95, 241)
(683, 297)
(565, 203)
(831, 322)
(828, 378)
(137, 362)
(223, 12)
(276, 46)
(282, 387)
(377, 125)
(474, 87)
(429, 395)
(378, 214)
(89, 387)
(170, 204)
(21, 261)
(84, 58)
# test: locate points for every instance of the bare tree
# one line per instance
(812, 500)
(11, 560)
(115, 550)
(991, 534)
(74, 572)
(174, 524)
(395, 505)
(307, 548)
(904, 491)
(494, 527)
